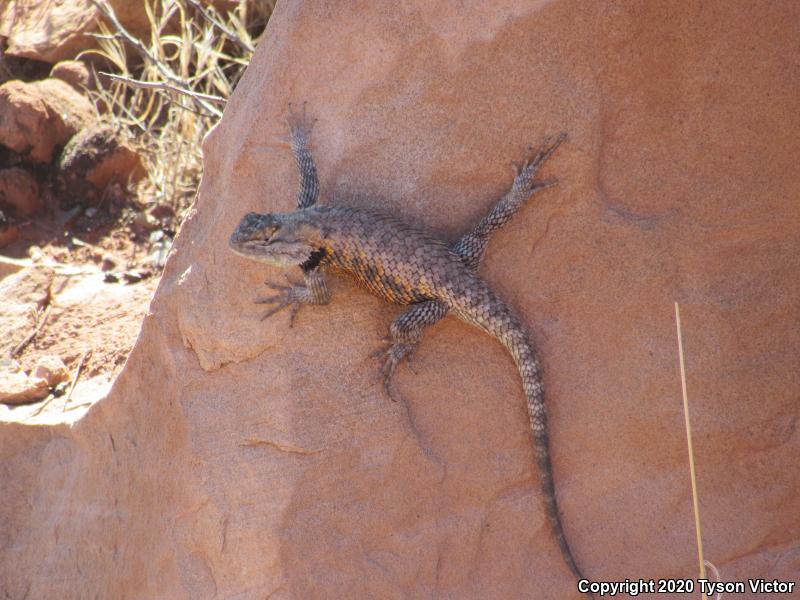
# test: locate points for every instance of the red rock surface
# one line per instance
(19, 191)
(46, 31)
(8, 231)
(240, 459)
(38, 117)
(75, 73)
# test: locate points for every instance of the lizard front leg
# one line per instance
(406, 333)
(315, 291)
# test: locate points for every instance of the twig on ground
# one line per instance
(75, 377)
(21, 346)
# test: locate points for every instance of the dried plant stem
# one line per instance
(22, 345)
(159, 85)
(174, 91)
(244, 44)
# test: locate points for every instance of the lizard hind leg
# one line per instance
(472, 246)
(405, 334)
(299, 139)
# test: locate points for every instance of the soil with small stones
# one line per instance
(98, 309)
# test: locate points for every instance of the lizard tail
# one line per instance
(529, 369)
(490, 314)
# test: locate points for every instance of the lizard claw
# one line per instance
(288, 296)
(298, 123)
(540, 185)
(274, 286)
(394, 353)
(283, 301)
(387, 341)
(277, 286)
(410, 362)
(272, 311)
(293, 313)
(526, 171)
(393, 396)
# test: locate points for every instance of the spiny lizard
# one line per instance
(404, 265)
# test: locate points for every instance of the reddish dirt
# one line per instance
(87, 312)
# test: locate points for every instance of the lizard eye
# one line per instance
(254, 227)
(270, 232)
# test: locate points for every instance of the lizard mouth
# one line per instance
(277, 253)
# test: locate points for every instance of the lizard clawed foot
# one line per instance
(288, 296)
(299, 126)
(526, 171)
(298, 123)
(394, 355)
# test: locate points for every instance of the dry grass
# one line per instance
(167, 91)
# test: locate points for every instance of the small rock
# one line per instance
(16, 387)
(35, 253)
(162, 211)
(37, 117)
(19, 190)
(136, 275)
(99, 156)
(52, 369)
(145, 221)
(108, 263)
(75, 73)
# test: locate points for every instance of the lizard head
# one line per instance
(274, 239)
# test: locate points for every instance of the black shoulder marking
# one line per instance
(313, 260)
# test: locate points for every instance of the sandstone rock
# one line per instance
(75, 73)
(19, 190)
(99, 156)
(22, 295)
(274, 461)
(55, 31)
(16, 387)
(52, 369)
(37, 117)
(8, 231)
